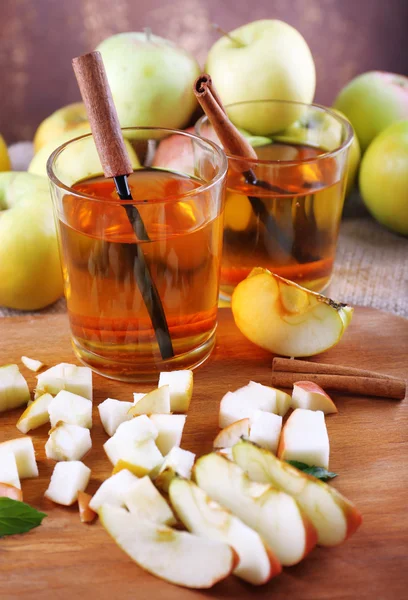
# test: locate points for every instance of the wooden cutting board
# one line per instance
(64, 558)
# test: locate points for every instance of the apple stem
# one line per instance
(148, 33)
(226, 34)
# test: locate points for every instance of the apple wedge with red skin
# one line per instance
(230, 435)
(204, 517)
(272, 513)
(175, 556)
(307, 394)
(334, 517)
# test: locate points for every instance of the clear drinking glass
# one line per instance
(283, 213)
(113, 252)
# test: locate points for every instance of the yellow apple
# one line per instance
(263, 60)
(63, 120)
(384, 177)
(5, 164)
(30, 272)
(353, 158)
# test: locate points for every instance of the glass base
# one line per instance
(143, 372)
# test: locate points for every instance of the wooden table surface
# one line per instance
(65, 558)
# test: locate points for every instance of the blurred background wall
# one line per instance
(38, 39)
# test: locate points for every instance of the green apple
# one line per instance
(151, 80)
(354, 158)
(63, 120)
(263, 60)
(384, 177)
(372, 101)
(30, 271)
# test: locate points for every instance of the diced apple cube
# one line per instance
(30, 363)
(265, 430)
(307, 394)
(112, 413)
(64, 376)
(304, 438)
(8, 469)
(230, 435)
(137, 396)
(145, 500)
(177, 462)
(35, 415)
(113, 490)
(138, 457)
(14, 390)
(24, 453)
(86, 514)
(157, 401)
(70, 408)
(67, 480)
(68, 442)
(181, 389)
(170, 428)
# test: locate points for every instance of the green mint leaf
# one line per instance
(318, 472)
(18, 517)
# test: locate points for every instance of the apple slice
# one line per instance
(227, 452)
(8, 469)
(113, 490)
(307, 394)
(143, 499)
(243, 403)
(205, 517)
(113, 413)
(86, 514)
(70, 408)
(14, 390)
(177, 462)
(176, 556)
(64, 376)
(266, 430)
(157, 401)
(68, 442)
(30, 363)
(272, 513)
(35, 415)
(284, 318)
(24, 453)
(230, 435)
(181, 389)
(67, 480)
(170, 428)
(304, 438)
(9, 491)
(334, 517)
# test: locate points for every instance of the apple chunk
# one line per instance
(70, 408)
(8, 469)
(284, 318)
(205, 517)
(143, 499)
(24, 453)
(113, 413)
(304, 438)
(176, 556)
(334, 517)
(170, 428)
(113, 490)
(177, 462)
(157, 401)
(307, 394)
(9, 491)
(228, 436)
(243, 403)
(31, 363)
(86, 514)
(272, 513)
(68, 442)
(64, 376)
(67, 480)
(181, 389)
(14, 390)
(35, 415)
(265, 430)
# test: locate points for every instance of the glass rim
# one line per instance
(261, 161)
(172, 198)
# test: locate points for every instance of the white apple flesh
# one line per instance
(230, 435)
(113, 413)
(68, 442)
(334, 517)
(70, 408)
(24, 453)
(157, 401)
(35, 415)
(181, 389)
(64, 376)
(145, 500)
(311, 396)
(205, 517)
(272, 513)
(170, 428)
(14, 390)
(266, 430)
(178, 462)
(113, 490)
(31, 363)
(8, 469)
(67, 479)
(175, 556)
(304, 438)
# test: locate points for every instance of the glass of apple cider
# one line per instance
(283, 211)
(181, 206)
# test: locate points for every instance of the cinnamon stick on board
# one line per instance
(347, 380)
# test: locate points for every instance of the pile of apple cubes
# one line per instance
(248, 512)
